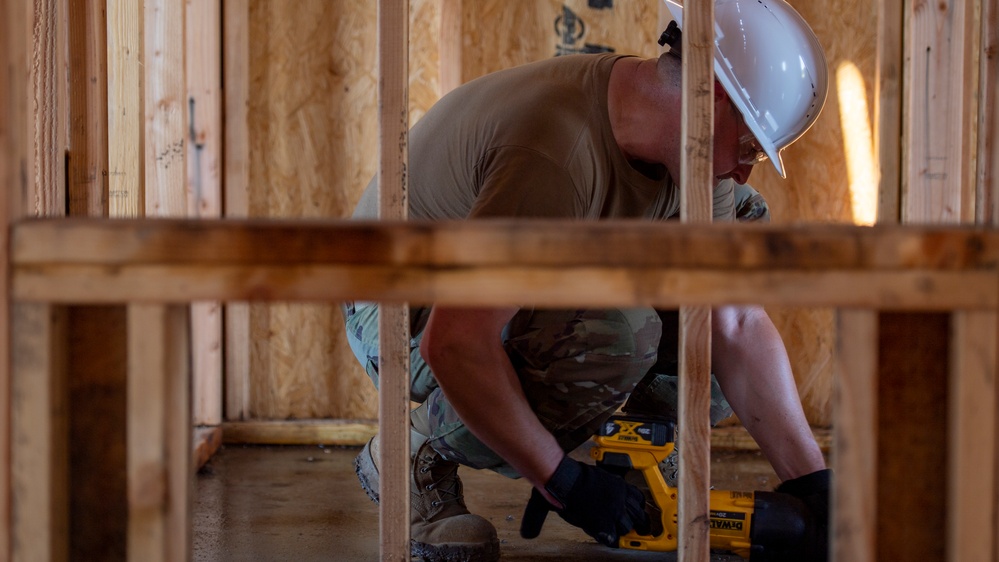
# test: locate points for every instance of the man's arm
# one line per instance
(464, 348)
(751, 365)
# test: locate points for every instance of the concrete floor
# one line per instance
(305, 504)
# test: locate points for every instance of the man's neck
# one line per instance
(643, 114)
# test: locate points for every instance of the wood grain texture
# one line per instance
(202, 43)
(888, 117)
(548, 243)
(39, 468)
(451, 45)
(126, 109)
(165, 109)
(159, 450)
(393, 320)
(87, 167)
(236, 177)
(506, 286)
(987, 203)
(50, 101)
(855, 445)
(8, 204)
(696, 187)
(939, 112)
(694, 433)
(971, 438)
(310, 135)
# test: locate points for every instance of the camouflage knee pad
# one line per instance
(659, 395)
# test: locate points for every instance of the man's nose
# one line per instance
(742, 172)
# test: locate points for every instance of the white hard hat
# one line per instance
(771, 64)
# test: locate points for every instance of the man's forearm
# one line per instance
(465, 352)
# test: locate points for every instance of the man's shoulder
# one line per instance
(565, 65)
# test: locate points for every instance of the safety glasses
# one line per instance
(750, 151)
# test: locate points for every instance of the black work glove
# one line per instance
(813, 491)
(598, 502)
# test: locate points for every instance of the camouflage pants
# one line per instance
(577, 368)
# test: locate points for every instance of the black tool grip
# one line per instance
(534, 515)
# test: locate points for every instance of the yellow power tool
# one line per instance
(744, 523)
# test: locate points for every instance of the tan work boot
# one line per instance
(441, 528)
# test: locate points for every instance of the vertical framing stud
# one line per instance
(160, 474)
(236, 72)
(126, 139)
(393, 90)
(40, 435)
(695, 322)
(204, 189)
(855, 453)
(971, 439)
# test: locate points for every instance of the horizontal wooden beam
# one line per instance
(300, 432)
(509, 286)
(546, 243)
(505, 263)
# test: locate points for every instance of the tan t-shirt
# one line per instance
(532, 141)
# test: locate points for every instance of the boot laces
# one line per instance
(445, 480)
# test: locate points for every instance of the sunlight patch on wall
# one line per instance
(858, 143)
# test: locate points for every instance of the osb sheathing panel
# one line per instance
(314, 127)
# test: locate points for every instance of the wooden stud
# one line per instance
(126, 128)
(695, 432)
(987, 204)
(49, 96)
(165, 99)
(888, 110)
(204, 188)
(88, 157)
(971, 438)
(35, 143)
(236, 74)
(39, 423)
(159, 466)
(393, 321)
(697, 148)
(939, 113)
(854, 509)
(8, 204)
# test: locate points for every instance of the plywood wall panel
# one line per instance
(312, 149)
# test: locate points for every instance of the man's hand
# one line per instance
(600, 503)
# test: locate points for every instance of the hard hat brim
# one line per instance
(723, 77)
